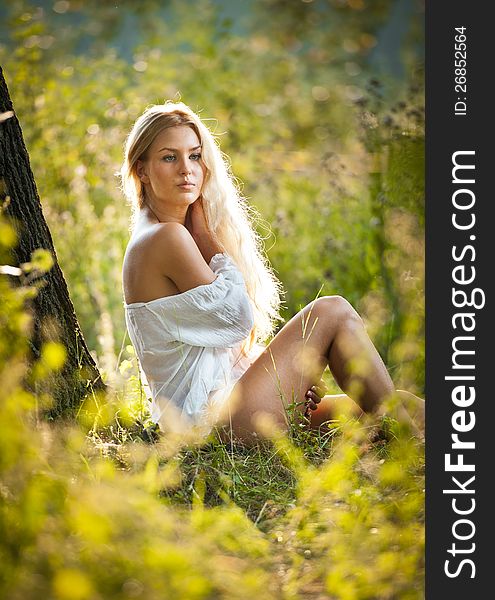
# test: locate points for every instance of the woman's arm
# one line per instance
(179, 258)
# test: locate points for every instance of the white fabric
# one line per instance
(188, 345)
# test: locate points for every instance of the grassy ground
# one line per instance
(110, 512)
(341, 508)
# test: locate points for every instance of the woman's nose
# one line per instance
(185, 167)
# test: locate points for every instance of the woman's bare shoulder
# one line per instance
(171, 240)
(170, 248)
(158, 236)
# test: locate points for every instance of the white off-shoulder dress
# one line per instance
(189, 346)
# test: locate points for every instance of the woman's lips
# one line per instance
(186, 186)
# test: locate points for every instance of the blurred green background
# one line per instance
(320, 107)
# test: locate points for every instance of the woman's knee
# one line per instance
(336, 309)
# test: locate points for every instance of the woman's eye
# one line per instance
(169, 158)
(195, 156)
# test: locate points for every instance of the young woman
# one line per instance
(200, 297)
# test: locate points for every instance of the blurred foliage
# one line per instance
(88, 511)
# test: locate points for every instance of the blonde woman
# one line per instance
(200, 297)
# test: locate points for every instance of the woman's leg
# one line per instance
(326, 332)
(333, 406)
(408, 408)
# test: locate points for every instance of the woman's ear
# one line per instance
(141, 171)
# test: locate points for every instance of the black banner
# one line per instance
(459, 274)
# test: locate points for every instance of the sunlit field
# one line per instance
(325, 133)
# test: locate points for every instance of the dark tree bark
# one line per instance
(52, 309)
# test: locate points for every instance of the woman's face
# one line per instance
(173, 172)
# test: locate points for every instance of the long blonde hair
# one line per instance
(227, 212)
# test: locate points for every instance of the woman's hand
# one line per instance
(197, 226)
(314, 395)
(196, 220)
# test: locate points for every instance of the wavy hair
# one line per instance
(227, 212)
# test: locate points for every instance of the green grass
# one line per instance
(324, 500)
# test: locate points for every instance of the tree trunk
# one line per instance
(52, 310)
